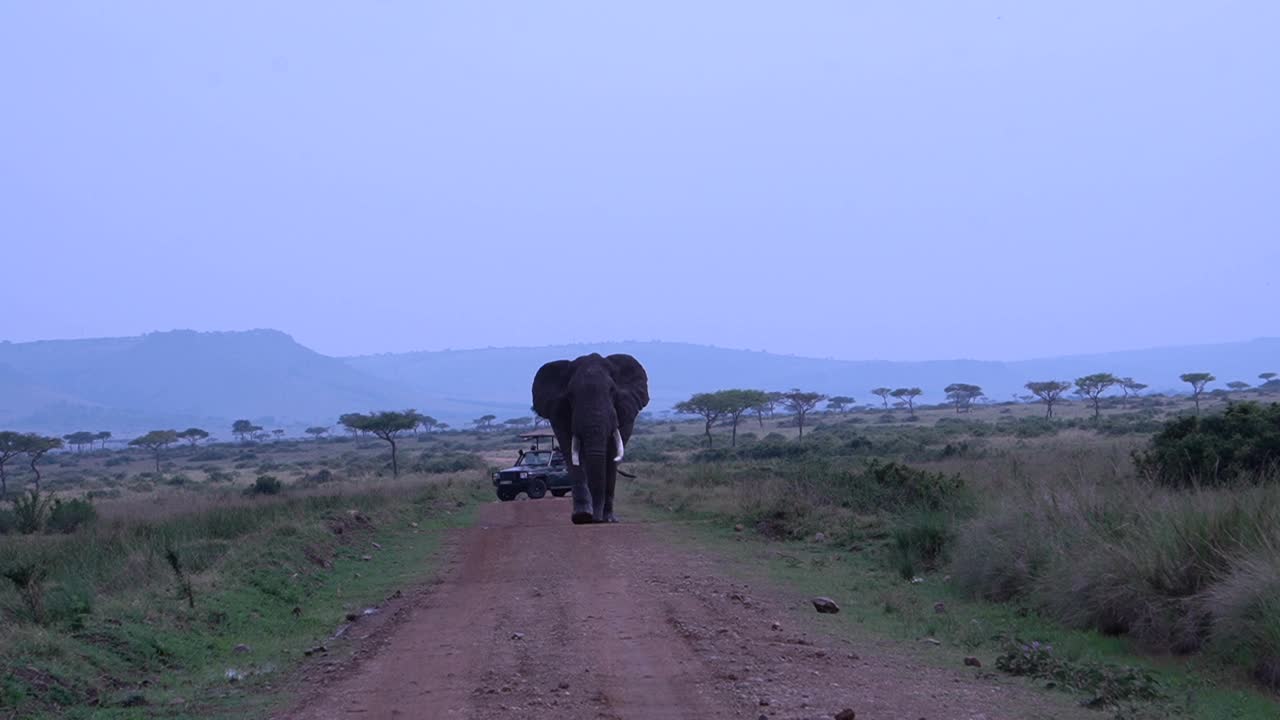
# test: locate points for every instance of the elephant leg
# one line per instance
(581, 496)
(599, 496)
(611, 481)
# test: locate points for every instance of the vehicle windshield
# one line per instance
(537, 457)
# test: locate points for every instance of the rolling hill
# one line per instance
(182, 377)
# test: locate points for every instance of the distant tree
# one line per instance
(1269, 381)
(710, 406)
(801, 403)
(484, 422)
(839, 403)
(1048, 391)
(103, 437)
(518, 423)
(1197, 381)
(261, 436)
(1129, 386)
(767, 405)
(1238, 386)
(35, 446)
(11, 446)
(156, 441)
(353, 426)
(908, 395)
(278, 433)
(962, 395)
(79, 439)
(1266, 377)
(193, 435)
(428, 423)
(316, 431)
(387, 425)
(442, 426)
(738, 402)
(884, 394)
(244, 429)
(1092, 387)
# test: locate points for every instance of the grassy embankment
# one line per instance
(199, 608)
(1050, 556)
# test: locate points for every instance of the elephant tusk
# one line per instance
(574, 452)
(617, 439)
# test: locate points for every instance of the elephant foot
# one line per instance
(610, 518)
(582, 517)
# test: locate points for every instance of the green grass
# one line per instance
(119, 639)
(877, 603)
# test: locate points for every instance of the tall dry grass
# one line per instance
(1179, 571)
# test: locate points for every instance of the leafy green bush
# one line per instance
(920, 541)
(32, 510)
(1243, 442)
(1107, 684)
(67, 517)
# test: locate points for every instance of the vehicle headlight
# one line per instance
(495, 476)
(524, 476)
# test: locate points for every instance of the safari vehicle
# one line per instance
(537, 471)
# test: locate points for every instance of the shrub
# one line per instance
(265, 485)
(920, 540)
(67, 517)
(1246, 609)
(8, 521)
(1241, 442)
(31, 510)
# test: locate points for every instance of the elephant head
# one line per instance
(592, 403)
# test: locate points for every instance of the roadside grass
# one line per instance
(866, 561)
(176, 614)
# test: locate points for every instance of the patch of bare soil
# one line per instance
(538, 618)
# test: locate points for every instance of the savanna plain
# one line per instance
(987, 561)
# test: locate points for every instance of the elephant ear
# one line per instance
(633, 387)
(549, 386)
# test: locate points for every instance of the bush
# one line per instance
(31, 510)
(448, 462)
(265, 485)
(8, 522)
(1243, 442)
(67, 517)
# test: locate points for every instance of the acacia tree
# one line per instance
(103, 437)
(767, 406)
(1048, 391)
(738, 402)
(244, 429)
(709, 405)
(316, 431)
(79, 439)
(907, 395)
(387, 425)
(1130, 386)
(962, 395)
(1238, 386)
(883, 393)
(518, 423)
(800, 403)
(156, 441)
(484, 422)
(840, 403)
(35, 446)
(1092, 387)
(1266, 377)
(193, 435)
(428, 423)
(11, 446)
(1197, 381)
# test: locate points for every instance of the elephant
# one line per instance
(592, 403)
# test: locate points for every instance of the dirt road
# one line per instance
(537, 618)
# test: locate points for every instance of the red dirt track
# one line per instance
(538, 618)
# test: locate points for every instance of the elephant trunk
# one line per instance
(590, 455)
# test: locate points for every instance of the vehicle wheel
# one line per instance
(537, 489)
(559, 493)
(506, 495)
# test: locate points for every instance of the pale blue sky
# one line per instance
(898, 180)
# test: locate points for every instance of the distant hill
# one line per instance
(179, 378)
(677, 370)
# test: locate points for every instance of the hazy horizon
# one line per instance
(992, 181)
